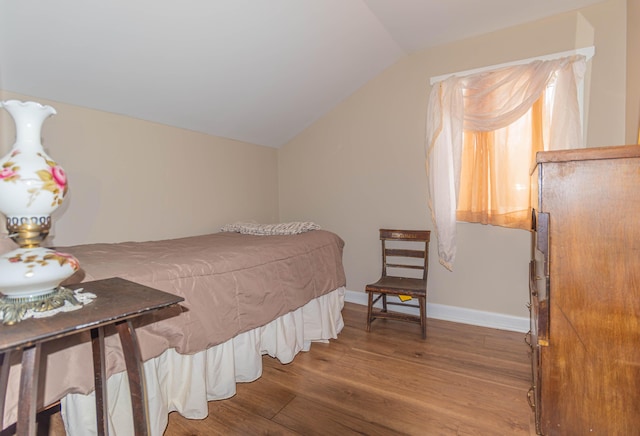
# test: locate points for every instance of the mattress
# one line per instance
(232, 284)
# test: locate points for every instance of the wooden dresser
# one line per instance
(585, 292)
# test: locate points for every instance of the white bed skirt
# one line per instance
(184, 383)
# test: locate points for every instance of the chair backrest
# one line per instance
(400, 257)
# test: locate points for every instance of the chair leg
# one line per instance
(423, 316)
(384, 302)
(369, 310)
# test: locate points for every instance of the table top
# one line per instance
(116, 299)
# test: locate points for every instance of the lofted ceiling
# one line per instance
(258, 71)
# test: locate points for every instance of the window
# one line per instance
(494, 177)
(483, 130)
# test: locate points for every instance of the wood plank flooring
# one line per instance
(461, 380)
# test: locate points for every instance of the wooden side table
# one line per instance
(118, 302)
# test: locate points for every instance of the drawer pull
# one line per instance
(527, 339)
(531, 398)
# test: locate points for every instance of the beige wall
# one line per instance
(135, 180)
(361, 167)
(633, 72)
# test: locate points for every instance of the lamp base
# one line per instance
(14, 309)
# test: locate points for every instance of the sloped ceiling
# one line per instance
(258, 71)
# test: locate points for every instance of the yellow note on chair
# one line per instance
(404, 298)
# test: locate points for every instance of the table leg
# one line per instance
(29, 372)
(5, 366)
(100, 380)
(133, 361)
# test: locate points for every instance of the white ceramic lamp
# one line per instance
(32, 186)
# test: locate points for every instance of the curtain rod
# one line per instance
(588, 52)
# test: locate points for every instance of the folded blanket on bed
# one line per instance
(292, 228)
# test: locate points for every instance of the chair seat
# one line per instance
(399, 286)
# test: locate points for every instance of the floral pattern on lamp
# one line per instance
(44, 265)
(54, 179)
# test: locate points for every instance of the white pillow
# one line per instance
(292, 228)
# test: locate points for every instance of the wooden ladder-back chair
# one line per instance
(399, 255)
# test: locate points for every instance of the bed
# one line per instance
(246, 295)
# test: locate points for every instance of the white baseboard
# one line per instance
(456, 314)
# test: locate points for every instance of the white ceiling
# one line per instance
(258, 71)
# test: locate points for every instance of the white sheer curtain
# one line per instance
(485, 102)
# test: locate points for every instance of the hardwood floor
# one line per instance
(461, 380)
